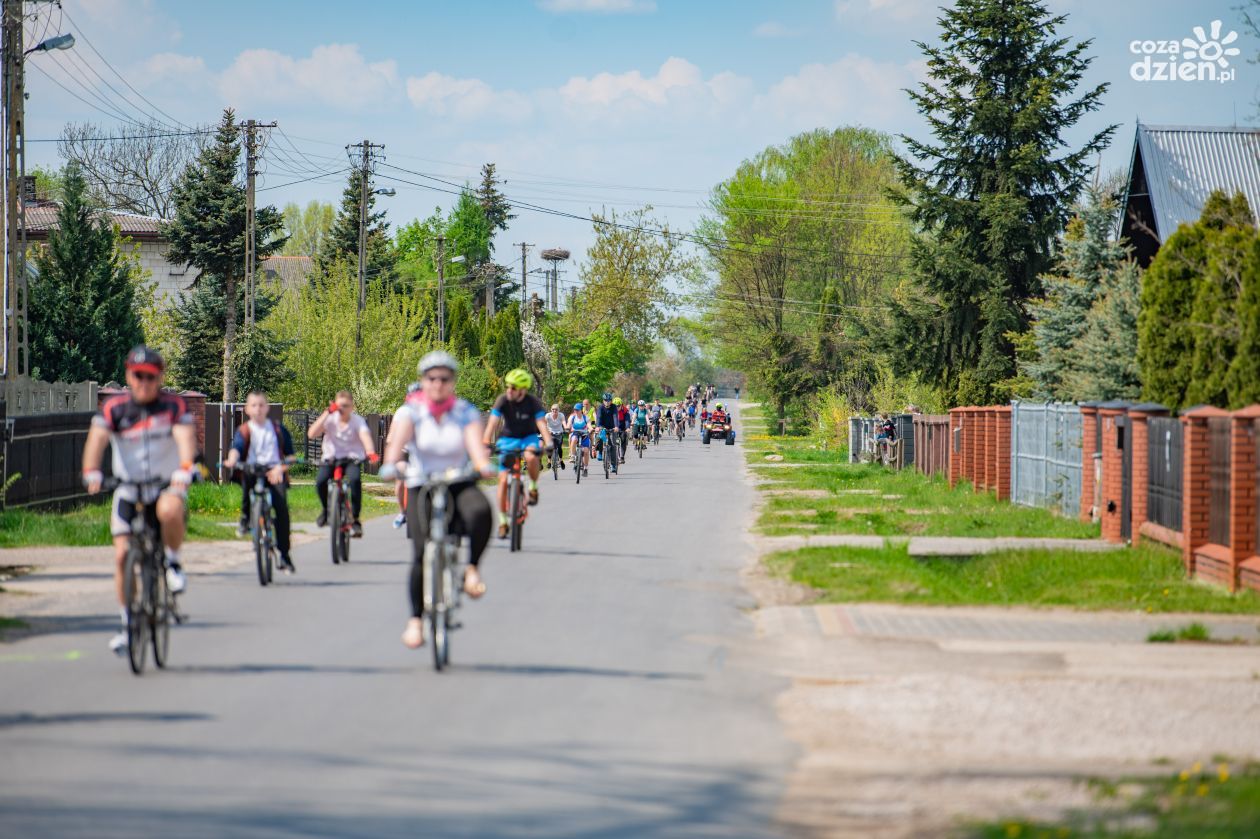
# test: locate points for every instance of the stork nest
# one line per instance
(555, 254)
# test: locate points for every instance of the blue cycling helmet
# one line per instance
(607, 397)
(577, 406)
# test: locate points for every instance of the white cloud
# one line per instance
(599, 6)
(170, 66)
(465, 98)
(677, 80)
(856, 89)
(886, 10)
(774, 29)
(333, 74)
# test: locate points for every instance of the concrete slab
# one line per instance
(962, 546)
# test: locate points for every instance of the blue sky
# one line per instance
(581, 103)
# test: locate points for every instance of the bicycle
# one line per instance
(150, 603)
(640, 441)
(262, 523)
(557, 455)
(340, 511)
(575, 457)
(680, 430)
(518, 503)
(609, 450)
(656, 433)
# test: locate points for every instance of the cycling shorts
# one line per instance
(515, 445)
(583, 439)
(123, 510)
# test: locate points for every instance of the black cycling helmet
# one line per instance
(145, 359)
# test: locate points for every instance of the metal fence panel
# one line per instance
(1046, 456)
(1219, 432)
(46, 450)
(1164, 462)
(862, 431)
(931, 443)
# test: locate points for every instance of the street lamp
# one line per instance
(57, 42)
(388, 192)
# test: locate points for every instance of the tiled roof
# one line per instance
(1184, 164)
(42, 217)
(291, 271)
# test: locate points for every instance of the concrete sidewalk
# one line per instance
(937, 546)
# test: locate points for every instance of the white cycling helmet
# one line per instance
(641, 402)
(437, 358)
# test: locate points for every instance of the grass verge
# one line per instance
(1148, 578)
(209, 506)
(1195, 633)
(1213, 801)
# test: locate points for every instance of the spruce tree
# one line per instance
(208, 231)
(993, 189)
(82, 310)
(1102, 363)
(493, 202)
(342, 241)
(1242, 382)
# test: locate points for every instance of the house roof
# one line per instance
(41, 216)
(291, 271)
(1184, 164)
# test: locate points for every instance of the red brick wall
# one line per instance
(1112, 476)
(955, 457)
(1089, 431)
(1242, 495)
(971, 441)
(1002, 452)
(197, 407)
(1141, 469)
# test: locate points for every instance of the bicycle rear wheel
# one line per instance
(347, 517)
(334, 522)
(135, 591)
(514, 520)
(161, 624)
(436, 615)
(555, 464)
(260, 541)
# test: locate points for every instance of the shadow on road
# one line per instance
(256, 669)
(564, 670)
(28, 719)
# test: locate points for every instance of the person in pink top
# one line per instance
(345, 435)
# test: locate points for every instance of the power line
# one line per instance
(110, 139)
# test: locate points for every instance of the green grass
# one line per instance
(209, 505)
(11, 623)
(1214, 801)
(1148, 578)
(1194, 632)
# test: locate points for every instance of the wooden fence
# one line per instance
(931, 443)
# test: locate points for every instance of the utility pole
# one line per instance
(366, 163)
(250, 130)
(14, 263)
(491, 272)
(441, 266)
(525, 246)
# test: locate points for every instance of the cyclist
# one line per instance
(606, 420)
(521, 417)
(691, 411)
(579, 428)
(640, 416)
(623, 425)
(259, 442)
(442, 432)
(345, 435)
(153, 438)
(655, 412)
(400, 486)
(556, 424)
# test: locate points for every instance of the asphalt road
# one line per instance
(601, 688)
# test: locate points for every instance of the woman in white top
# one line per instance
(440, 432)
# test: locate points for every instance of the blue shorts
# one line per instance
(583, 438)
(514, 445)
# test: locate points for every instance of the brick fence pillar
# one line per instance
(1242, 494)
(1139, 438)
(974, 440)
(1195, 493)
(197, 407)
(954, 448)
(1002, 452)
(968, 470)
(989, 449)
(1089, 447)
(1112, 474)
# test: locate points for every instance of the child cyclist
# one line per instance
(266, 443)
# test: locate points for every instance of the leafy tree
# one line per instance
(1103, 361)
(82, 314)
(462, 336)
(493, 202)
(50, 183)
(585, 363)
(469, 233)
(415, 240)
(208, 231)
(306, 228)
(501, 347)
(1087, 256)
(198, 321)
(342, 239)
(993, 189)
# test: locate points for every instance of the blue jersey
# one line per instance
(640, 416)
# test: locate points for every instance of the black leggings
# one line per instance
(279, 503)
(349, 477)
(471, 518)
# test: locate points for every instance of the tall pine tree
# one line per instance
(992, 190)
(208, 231)
(82, 310)
(342, 241)
(493, 202)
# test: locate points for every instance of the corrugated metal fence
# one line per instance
(46, 450)
(931, 443)
(1046, 456)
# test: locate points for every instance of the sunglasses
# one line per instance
(144, 377)
(439, 379)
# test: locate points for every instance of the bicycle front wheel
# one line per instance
(334, 522)
(347, 516)
(514, 515)
(135, 591)
(257, 516)
(434, 563)
(161, 622)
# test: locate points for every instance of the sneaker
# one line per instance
(242, 528)
(321, 520)
(400, 520)
(533, 497)
(286, 565)
(503, 530)
(562, 466)
(356, 530)
(586, 471)
(118, 644)
(175, 579)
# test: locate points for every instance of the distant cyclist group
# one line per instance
(437, 448)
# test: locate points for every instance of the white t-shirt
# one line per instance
(437, 445)
(264, 448)
(342, 439)
(555, 423)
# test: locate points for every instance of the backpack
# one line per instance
(244, 432)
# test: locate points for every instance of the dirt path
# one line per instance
(914, 721)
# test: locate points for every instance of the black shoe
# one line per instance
(286, 564)
(562, 466)
(356, 530)
(321, 520)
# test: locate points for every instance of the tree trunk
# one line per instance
(229, 340)
(781, 408)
